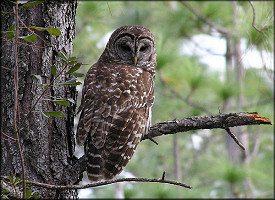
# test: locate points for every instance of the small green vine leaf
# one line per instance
(71, 82)
(74, 68)
(29, 38)
(54, 113)
(71, 58)
(61, 102)
(54, 31)
(78, 74)
(53, 68)
(10, 33)
(32, 3)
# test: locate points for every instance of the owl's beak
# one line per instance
(135, 60)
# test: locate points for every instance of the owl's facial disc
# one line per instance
(133, 52)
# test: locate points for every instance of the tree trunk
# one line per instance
(47, 147)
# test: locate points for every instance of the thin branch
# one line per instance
(7, 68)
(107, 182)
(205, 20)
(234, 138)
(254, 18)
(11, 138)
(109, 8)
(16, 102)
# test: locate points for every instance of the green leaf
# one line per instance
(74, 68)
(12, 28)
(47, 117)
(61, 102)
(71, 58)
(72, 62)
(53, 70)
(28, 193)
(38, 77)
(71, 82)
(10, 33)
(54, 31)
(2, 12)
(78, 74)
(32, 3)
(29, 38)
(54, 113)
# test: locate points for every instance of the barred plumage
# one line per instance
(117, 97)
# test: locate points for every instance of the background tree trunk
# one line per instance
(47, 147)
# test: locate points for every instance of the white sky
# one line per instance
(251, 57)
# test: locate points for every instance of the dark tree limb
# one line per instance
(205, 122)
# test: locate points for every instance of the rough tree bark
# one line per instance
(47, 147)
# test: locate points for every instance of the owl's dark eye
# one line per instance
(125, 47)
(143, 48)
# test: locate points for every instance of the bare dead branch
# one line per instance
(107, 182)
(206, 122)
(205, 20)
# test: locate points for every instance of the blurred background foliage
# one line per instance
(187, 85)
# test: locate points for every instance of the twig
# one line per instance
(254, 17)
(7, 68)
(109, 8)
(234, 138)
(163, 176)
(11, 138)
(107, 182)
(205, 20)
(154, 141)
(16, 103)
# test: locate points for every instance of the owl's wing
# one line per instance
(86, 106)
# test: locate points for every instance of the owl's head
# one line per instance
(132, 45)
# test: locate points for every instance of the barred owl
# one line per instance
(117, 98)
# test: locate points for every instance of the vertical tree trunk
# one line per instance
(47, 147)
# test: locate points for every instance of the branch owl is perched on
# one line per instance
(117, 98)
